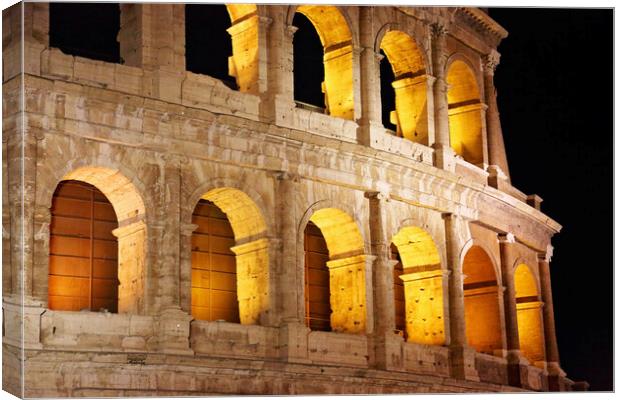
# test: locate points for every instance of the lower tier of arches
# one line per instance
(120, 355)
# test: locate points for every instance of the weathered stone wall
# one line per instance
(156, 139)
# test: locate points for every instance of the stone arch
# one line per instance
(100, 172)
(529, 313)
(131, 233)
(244, 33)
(410, 85)
(424, 282)
(465, 110)
(250, 196)
(481, 290)
(348, 265)
(475, 242)
(334, 31)
(251, 252)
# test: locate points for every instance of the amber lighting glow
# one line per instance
(337, 44)
(348, 268)
(409, 85)
(482, 313)
(251, 257)
(529, 315)
(243, 64)
(465, 113)
(423, 281)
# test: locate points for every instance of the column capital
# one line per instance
(175, 159)
(450, 216)
(187, 229)
(287, 176)
(546, 256)
(438, 30)
(264, 21)
(506, 238)
(129, 229)
(377, 195)
(290, 30)
(42, 214)
(491, 61)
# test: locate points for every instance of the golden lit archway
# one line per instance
(240, 230)
(336, 39)
(410, 116)
(529, 314)
(347, 265)
(465, 113)
(482, 313)
(111, 198)
(244, 62)
(83, 259)
(423, 285)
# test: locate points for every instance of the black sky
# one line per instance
(555, 94)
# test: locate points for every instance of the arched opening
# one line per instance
(423, 282)
(230, 258)
(465, 113)
(388, 95)
(97, 243)
(86, 30)
(481, 292)
(308, 69)
(330, 71)
(214, 270)
(529, 315)
(83, 259)
(207, 42)
(333, 244)
(222, 41)
(403, 87)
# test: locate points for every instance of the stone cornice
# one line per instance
(484, 22)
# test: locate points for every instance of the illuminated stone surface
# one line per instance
(155, 139)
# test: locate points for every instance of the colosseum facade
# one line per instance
(167, 232)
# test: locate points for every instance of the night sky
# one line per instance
(555, 95)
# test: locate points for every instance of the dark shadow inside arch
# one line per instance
(388, 95)
(86, 30)
(207, 42)
(308, 68)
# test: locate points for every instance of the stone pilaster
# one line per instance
(462, 357)
(186, 232)
(22, 154)
(169, 258)
(495, 139)
(552, 355)
(279, 98)
(444, 155)
(42, 220)
(30, 21)
(156, 43)
(293, 335)
(290, 304)
(384, 343)
(517, 365)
